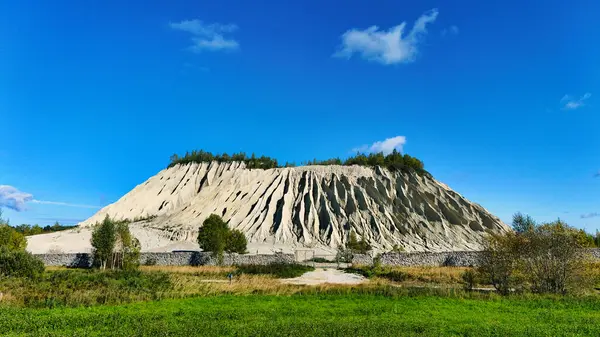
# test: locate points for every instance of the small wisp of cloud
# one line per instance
(590, 215)
(450, 31)
(207, 36)
(386, 47)
(570, 103)
(12, 198)
(597, 174)
(386, 146)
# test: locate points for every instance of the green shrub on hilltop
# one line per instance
(201, 156)
(395, 161)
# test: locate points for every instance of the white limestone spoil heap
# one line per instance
(308, 206)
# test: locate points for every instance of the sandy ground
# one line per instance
(331, 276)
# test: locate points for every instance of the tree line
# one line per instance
(201, 156)
(36, 229)
(395, 161)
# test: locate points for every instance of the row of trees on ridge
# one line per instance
(394, 161)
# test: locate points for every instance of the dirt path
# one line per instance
(322, 275)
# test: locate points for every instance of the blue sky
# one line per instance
(500, 100)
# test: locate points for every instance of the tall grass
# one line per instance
(412, 275)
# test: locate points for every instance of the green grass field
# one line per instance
(316, 314)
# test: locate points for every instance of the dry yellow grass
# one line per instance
(54, 268)
(443, 275)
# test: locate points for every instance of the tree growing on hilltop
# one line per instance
(394, 161)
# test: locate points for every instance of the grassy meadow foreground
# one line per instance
(200, 301)
(330, 312)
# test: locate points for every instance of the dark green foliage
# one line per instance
(213, 234)
(127, 253)
(394, 161)
(87, 287)
(114, 246)
(522, 223)
(279, 270)
(469, 278)
(320, 260)
(28, 230)
(11, 239)
(200, 156)
(378, 271)
(236, 242)
(19, 264)
(344, 254)
(216, 236)
(356, 246)
(333, 161)
(104, 238)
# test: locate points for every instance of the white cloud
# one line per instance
(58, 203)
(386, 47)
(571, 103)
(11, 197)
(385, 146)
(452, 30)
(14, 199)
(207, 36)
